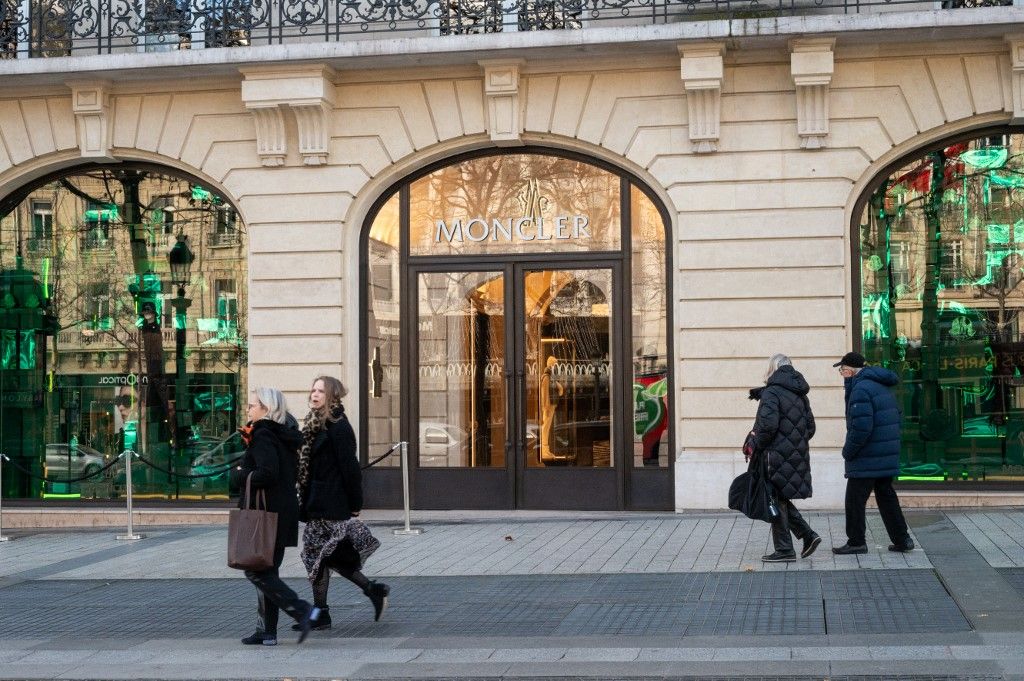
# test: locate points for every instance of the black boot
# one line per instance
(378, 595)
(322, 622)
(260, 638)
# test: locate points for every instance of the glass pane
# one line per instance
(462, 388)
(568, 315)
(650, 342)
(92, 363)
(383, 300)
(942, 250)
(514, 203)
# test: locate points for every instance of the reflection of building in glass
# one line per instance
(942, 251)
(98, 242)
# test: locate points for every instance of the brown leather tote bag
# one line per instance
(252, 533)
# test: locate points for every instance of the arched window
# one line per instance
(941, 264)
(105, 347)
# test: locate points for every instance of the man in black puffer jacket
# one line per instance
(784, 427)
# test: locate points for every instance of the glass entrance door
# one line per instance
(566, 380)
(519, 414)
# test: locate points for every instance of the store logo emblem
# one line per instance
(531, 227)
(129, 379)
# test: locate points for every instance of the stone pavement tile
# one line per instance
(7, 656)
(79, 643)
(18, 670)
(988, 652)
(20, 643)
(896, 668)
(601, 654)
(449, 654)
(439, 670)
(831, 653)
(675, 654)
(527, 654)
(744, 654)
(897, 652)
(56, 657)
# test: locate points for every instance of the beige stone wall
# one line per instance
(761, 227)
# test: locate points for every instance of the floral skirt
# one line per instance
(322, 538)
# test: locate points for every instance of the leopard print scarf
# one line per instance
(316, 421)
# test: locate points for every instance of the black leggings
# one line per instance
(344, 561)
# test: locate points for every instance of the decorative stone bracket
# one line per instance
(702, 69)
(812, 65)
(90, 102)
(501, 90)
(308, 92)
(1017, 76)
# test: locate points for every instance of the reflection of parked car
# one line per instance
(65, 462)
(211, 455)
(442, 445)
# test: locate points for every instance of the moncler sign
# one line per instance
(562, 227)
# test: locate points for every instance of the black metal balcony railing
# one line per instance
(46, 28)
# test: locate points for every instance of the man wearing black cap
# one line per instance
(871, 452)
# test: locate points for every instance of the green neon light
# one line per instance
(52, 495)
(923, 478)
(200, 194)
(986, 158)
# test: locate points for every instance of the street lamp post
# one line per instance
(180, 259)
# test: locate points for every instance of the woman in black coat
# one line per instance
(270, 461)
(784, 427)
(330, 489)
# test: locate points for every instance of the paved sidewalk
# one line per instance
(529, 596)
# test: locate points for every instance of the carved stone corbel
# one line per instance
(271, 141)
(90, 102)
(308, 92)
(501, 90)
(1016, 42)
(702, 68)
(812, 65)
(313, 121)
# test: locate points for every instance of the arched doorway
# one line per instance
(515, 333)
(940, 250)
(109, 343)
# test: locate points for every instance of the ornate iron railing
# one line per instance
(47, 28)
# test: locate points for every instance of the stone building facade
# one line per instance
(757, 140)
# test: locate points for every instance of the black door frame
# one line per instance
(637, 488)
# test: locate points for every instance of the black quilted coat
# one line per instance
(784, 427)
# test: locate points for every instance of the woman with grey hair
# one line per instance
(783, 428)
(269, 465)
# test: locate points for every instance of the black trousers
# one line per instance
(274, 595)
(857, 492)
(788, 521)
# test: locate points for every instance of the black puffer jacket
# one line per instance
(271, 457)
(784, 427)
(335, 480)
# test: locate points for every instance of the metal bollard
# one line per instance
(2, 537)
(405, 492)
(130, 534)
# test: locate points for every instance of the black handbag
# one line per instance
(752, 495)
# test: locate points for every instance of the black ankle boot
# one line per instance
(322, 622)
(378, 595)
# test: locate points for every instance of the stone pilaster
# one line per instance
(812, 65)
(90, 101)
(501, 92)
(1016, 42)
(702, 68)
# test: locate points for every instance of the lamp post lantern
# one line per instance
(180, 259)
